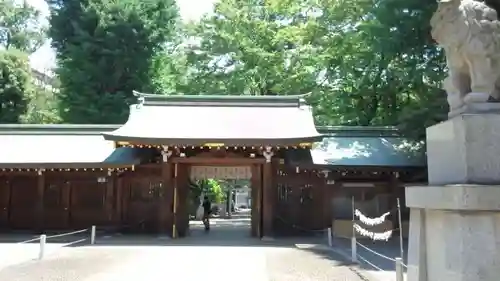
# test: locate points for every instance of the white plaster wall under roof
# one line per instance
(54, 148)
(31, 150)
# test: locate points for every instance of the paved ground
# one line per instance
(226, 253)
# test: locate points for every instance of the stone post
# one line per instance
(455, 220)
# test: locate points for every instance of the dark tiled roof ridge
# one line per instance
(86, 129)
(220, 100)
(359, 131)
(56, 129)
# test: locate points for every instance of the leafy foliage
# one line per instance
(15, 85)
(22, 33)
(386, 70)
(106, 49)
(209, 187)
(368, 62)
(244, 48)
(364, 62)
(20, 26)
(43, 107)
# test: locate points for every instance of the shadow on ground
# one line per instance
(198, 237)
(326, 252)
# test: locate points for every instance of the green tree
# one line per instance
(365, 62)
(20, 26)
(21, 33)
(16, 88)
(209, 187)
(43, 107)
(382, 66)
(106, 49)
(244, 48)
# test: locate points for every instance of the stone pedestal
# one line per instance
(455, 221)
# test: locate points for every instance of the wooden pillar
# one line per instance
(267, 200)
(110, 184)
(175, 202)
(256, 190)
(165, 210)
(274, 194)
(181, 200)
(327, 202)
(66, 200)
(125, 199)
(5, 190)
(118, 201)
(39, 210)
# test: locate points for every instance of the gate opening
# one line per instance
(229, 190)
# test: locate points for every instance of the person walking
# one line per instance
(207, 210)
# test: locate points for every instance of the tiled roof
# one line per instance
(230, 120)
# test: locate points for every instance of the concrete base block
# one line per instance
(464, 150)
(454, 239)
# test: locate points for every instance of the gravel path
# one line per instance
(187, 263)
(68, 264)
(224, 254)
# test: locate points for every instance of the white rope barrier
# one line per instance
(369, 263)
(376, 253)
(43, 239)
(398, 262)
(67, 233)
(76, 242)
(29, 241)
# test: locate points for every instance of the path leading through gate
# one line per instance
(226, 253)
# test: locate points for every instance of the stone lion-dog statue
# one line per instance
(469, 33)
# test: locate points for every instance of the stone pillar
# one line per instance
(455, 220)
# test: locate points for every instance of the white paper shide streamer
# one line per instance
(380, 236)
(370, 221)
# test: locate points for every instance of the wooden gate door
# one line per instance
(256, 197)
(142, 197)
(56, 204)
(24, 199)
(307, 205)
(311, 200)
(284, 210)
(4, 202)
(287, 207)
